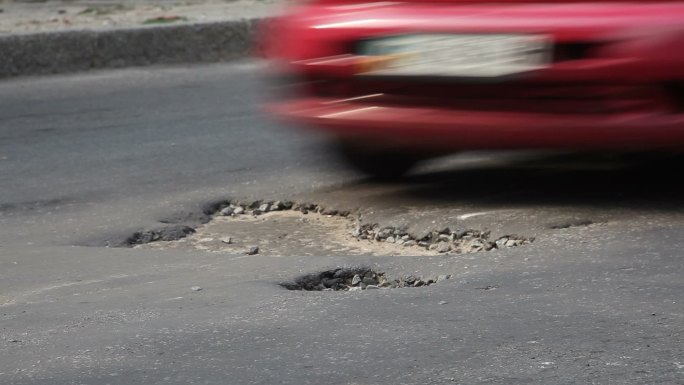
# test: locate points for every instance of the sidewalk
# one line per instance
(55, 36)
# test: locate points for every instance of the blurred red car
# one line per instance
(398, 81)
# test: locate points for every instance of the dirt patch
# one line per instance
(356, 279)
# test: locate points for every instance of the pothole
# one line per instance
(291, 228)
(356, 279)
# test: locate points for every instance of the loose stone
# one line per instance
(341, 273)
(443, 247)
(501, 242)
(356, 280)
(512, 243)
(383, 234)
(253, 250)
(264, 208)
(331, 282)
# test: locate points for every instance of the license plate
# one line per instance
(460, 55)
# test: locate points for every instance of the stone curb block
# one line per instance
(71, 51)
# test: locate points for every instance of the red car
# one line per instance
(399, 81)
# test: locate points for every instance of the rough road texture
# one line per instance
(48, 53)
(57, 36)
(84, 159)
(49, 16)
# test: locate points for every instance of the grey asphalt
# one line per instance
(86, 159)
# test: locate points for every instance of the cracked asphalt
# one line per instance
(87, 160)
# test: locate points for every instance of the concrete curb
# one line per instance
(71, 51)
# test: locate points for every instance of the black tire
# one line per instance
(380, 164)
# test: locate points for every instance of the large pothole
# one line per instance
(290, 228)
(356, 279)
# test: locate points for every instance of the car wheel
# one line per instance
(377, 163)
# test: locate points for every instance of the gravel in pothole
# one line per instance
(292, 229)
(285, 233)
(356, 279)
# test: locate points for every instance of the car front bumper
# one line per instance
(447, 129)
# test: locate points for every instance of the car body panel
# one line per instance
(625, 58)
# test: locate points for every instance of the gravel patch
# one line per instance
(444, 241)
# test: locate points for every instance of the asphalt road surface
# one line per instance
(86, 160)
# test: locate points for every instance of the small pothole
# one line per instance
(357, 279)
(166, 233)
